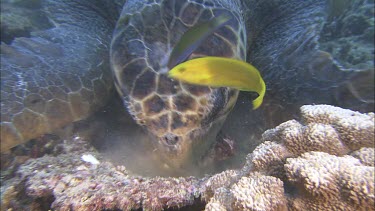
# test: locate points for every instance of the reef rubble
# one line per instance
(325, 161)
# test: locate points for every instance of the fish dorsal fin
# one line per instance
(194, 37)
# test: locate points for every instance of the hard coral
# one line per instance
(253, 192)
(356, 130)
(222, 200)
(80, 185)
(222, 180)
(323, 131)
(317, 180)
(365, 155)
(313, 164)
(327, 181)
(259, 192)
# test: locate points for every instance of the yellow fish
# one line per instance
(221, 72)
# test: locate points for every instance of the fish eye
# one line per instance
(181, 69)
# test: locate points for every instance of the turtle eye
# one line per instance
(171, 139)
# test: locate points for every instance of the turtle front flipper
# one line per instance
(56, 74)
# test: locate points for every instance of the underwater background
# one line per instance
(70, 142)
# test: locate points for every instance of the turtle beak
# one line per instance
(173, 150)
(186, 151)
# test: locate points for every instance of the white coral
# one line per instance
(332, 181)
(258, 192)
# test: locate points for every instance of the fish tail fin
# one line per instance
(257, 102)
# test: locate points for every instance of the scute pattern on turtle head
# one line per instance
(183, 118)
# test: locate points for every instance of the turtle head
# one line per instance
(182, 119)
(189, 137)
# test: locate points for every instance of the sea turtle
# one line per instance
(61, 73)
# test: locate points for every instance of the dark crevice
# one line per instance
(23, 201)
(8, 36)
(44, 203)
(289, 189)
(198, 204)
